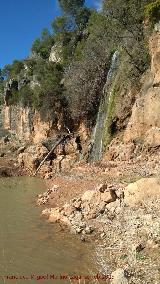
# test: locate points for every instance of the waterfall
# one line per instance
(97, 136)
(0, 116)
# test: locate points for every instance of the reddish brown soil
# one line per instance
(68, 188)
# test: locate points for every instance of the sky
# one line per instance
(21, 22)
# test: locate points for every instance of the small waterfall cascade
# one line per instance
(1, 123)
(0, 117)
(96, 150)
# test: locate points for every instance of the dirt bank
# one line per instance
(126, 228)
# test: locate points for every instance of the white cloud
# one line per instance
(98, 4)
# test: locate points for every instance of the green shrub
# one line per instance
(14, 99)
(12, 70)
(26, 96)
(152, 11)
(42, 46)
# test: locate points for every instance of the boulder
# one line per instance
(118, 277)
(54, 217)
(88, 195)
(144, 189)
(68, 209)
(32, 157)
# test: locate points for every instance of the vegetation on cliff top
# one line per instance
(152, 11)
(84, 40)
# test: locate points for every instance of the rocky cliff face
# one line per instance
(27, 123)
(139, 113)
(36, 135)
(144, 124)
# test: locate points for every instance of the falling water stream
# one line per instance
(97, 145)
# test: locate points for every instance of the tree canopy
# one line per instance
(71, 6)
(87, 40)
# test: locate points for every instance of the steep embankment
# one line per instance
(133, 119)
(32, 137)
(144, 124)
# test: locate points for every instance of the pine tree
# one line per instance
(71, 6)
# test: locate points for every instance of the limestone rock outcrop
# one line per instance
(55, 55)
(144, 124)
(28, 124)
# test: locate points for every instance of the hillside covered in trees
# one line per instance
(82, 43)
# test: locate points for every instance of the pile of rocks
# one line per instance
(103, 206)
(44, 198)
(79, 211)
